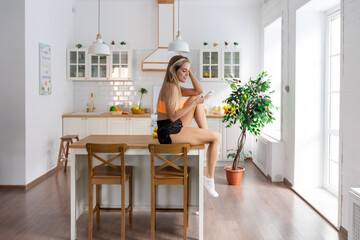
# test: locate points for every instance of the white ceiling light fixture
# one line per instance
(98, 48)
(179, 45)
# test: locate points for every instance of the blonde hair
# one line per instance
(171, 77)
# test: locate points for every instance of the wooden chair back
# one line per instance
(178, 149)
(94, 149)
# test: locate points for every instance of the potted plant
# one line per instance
(250, 106)
(122, 44)
(205, 44)
(226, 45)
(236, 44)
(138, 108)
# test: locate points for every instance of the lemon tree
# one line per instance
(250, 106)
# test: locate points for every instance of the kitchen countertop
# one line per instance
(108, 114)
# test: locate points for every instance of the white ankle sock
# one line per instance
(210, 186)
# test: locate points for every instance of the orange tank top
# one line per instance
(161, 105)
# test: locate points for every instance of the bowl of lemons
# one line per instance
(137, 110)
(218, 110)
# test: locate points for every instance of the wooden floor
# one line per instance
(257, 209)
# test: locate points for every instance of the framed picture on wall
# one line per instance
(45, 83)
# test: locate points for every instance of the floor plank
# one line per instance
(255, 210)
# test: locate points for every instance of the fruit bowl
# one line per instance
(137, 111)
(116, 112)
(218, 112)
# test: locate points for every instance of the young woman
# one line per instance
(174, 116)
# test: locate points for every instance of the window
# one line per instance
(272, 64)
(332, 103)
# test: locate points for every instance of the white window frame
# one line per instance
(330, 15)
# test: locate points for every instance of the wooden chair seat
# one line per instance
(169, 172)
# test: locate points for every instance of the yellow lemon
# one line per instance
(137, 107)
(260, 87)
(155, 130)
(154, 134)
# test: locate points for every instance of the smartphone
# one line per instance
(209, 93)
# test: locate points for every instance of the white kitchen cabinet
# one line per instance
(120, 64)
(84, 126)
(231, 63)
(82, 66)
(216, 65)
(128, 126)
(99, 67)
(139, 126)
(77, 64)
(210, 61)
(117, 126)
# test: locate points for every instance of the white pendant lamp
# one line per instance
(179, 45)
(98, 48)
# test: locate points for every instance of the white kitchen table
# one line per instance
(138, 146)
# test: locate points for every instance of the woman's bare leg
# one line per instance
(200, 117)
(197, 112)
(196, 136)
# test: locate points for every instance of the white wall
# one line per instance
(136, 23)
(12, 93)
(48, 22)
(350, 102)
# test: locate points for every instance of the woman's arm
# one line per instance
(170, 104)
(197, 90)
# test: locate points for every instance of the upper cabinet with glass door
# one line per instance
(77, 64)
(210, 61)
(231, 64)
(99, 67)
(120, 64)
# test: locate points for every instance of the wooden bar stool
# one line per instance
(64, 151)
(169, 174)
(108, 173)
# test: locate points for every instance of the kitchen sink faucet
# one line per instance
(92, 102)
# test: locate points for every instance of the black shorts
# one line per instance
(167, 127)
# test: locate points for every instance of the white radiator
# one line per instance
(354, 196)
(269, 157)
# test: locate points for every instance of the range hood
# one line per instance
(158, 59)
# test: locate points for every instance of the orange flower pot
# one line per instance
(234, 177)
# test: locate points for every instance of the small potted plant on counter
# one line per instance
(79, 45)
(205, 44)
(250, 106)
(226, 45)
(236, 44)
(138, 109)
